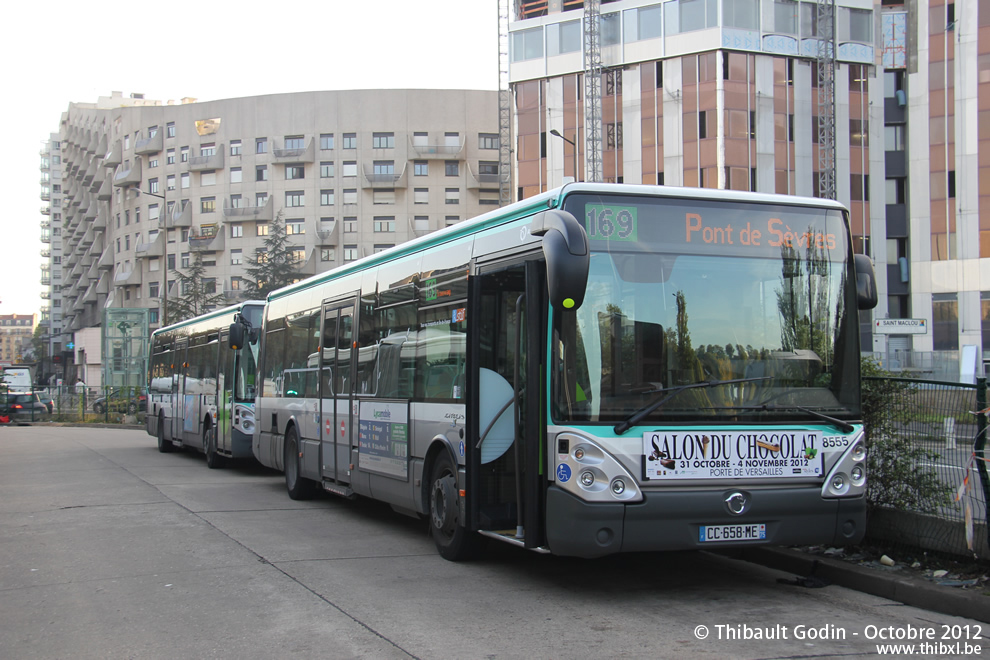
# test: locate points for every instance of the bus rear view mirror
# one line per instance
(565, 246)
(236, 339)
(866, 282)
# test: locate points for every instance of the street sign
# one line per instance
(901, 326)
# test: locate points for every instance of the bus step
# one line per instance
(509, 536)
(337, 489)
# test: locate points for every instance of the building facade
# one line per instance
(144, 187)
(724, 94)
(16, 332)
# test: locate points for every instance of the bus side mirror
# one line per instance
(236, 338)
(565, 246)
(866, 282)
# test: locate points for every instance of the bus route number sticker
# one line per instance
(611, 223)
(780, 454)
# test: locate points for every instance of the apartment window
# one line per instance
(184, 180)
(326, 198)
(383, 140)
(208, 178)
(527, 44)
(350, 141)
(153, 289)
(326, 141)
(381, 247)
(153, 185)
(261, 229)
(235, 283)
(945, 321)
(170, 129)
(207, 204)
(295, 198)
(295, 172)
(421, 196)
(170, 182)
(349, 168)
(384, 224)
(235, 175)
(185, 259)
(235, 147)
(421, 223)
(261, 145)
(326, 254)
(350, 225)
(350, 253)
(236, 201)
(118, 247)
(451, 168)
(421, 139)
(350, 196)
(208, 149)
(384, 167)
(295, 142)
(489, 140)
(127, 241)
(326, 170)
(261, 255)
(236, 231)
(451, 220)
(261, 173)
(297, 255)
(452, 196)
(153, 212)
(127, 218)
(421, 168)
(137, 216)
(895, 137)
(235, 257)
(260, 199)
(383, 196)
(295, 226)
(170, 157)
(642, 23)
(152, 162)
(859, 132)
(488, 168)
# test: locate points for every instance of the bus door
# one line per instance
(179, 370)
(508, 328)
(225, 384)
(337, 360)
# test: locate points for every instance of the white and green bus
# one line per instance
(601, 368)
(201, 394)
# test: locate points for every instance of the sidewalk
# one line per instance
(903, 588)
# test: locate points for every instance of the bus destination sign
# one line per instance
(740, 455)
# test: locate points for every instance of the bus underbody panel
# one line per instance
(678, 520)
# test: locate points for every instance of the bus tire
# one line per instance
(164, 446)
(298, 487)
(454, 541)
(213, 459)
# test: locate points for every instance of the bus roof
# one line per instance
(550, 199)
(209, 315)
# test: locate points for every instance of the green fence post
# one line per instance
(979, 448)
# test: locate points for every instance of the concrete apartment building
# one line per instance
(143, 186)
(16, 332)
(723, 94)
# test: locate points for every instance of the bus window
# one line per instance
(441, 347)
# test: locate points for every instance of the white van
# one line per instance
(18, 379)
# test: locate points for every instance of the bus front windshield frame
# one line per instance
(682, 291)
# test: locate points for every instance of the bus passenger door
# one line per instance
(507, 330)
(336, 385)
(225, 383)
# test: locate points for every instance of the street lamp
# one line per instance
(164, 224)
(554, 132)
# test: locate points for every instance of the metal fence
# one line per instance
(928, 480)
(111, 405)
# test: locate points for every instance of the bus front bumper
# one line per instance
(672, 520)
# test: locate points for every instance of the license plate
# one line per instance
(715, 533)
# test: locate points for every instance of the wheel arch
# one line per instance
(439, 445)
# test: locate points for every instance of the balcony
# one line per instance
(155, 248)
(149, 145)
(250, 212)
(46, 196)
(104, 193)
(46, 295)
(212, 162)
(100, 223)
(127, 278)
(182, 214)
(46, 237)
(46, 210)
(289, 156)
(209, 237)
(438, 150)
(91, 211)
(380, 180)
(312, 264)
(46, 252)
(115, 156)
(46, 280)
(101, 146)
(130, 177)
(106, 259)
(103, 285)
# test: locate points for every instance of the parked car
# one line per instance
(23, 407)
(121, 400)
(47, 399)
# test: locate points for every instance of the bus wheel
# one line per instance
(454, 542)
(164, 446)
(299, 487)
(213, 459)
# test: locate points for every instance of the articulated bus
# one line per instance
(201, 390)
(601, 368)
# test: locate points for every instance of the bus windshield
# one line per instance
(682, 291)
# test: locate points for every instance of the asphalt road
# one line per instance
(109, 549)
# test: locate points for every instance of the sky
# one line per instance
(55, 53)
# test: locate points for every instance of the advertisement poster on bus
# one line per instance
(747, 455)
(384, 438)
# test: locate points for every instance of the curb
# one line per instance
(906, 589)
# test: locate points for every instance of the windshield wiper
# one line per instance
(637, 417)
(843, 426)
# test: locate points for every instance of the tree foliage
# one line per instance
(275, 267)
(197, 294)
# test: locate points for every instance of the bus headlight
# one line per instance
(587, 479)
(244, 419)
(589, 472)
(847, 478)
